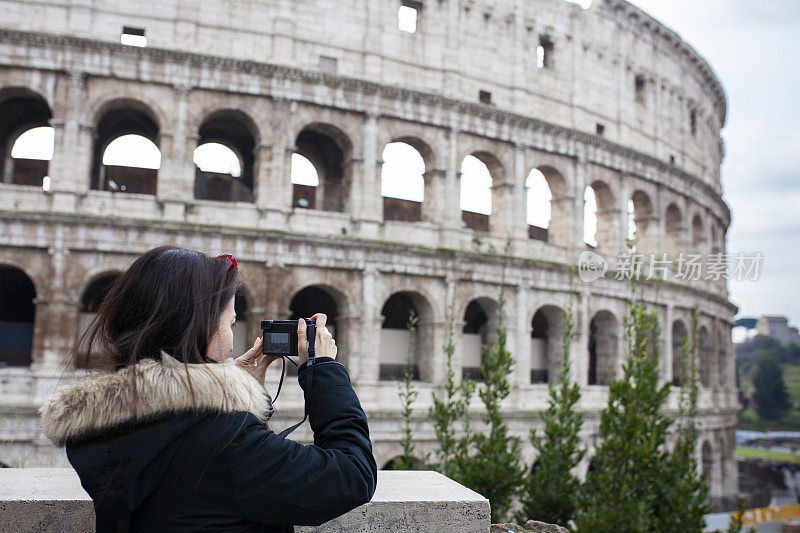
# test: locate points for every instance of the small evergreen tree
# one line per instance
(772, 400)
(685, 489)
(623, 492)
(408, 393)
(550, 490)
(448, 410)
(493, 468)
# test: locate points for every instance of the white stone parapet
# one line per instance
(52, 499)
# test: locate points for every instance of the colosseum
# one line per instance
(602, 118)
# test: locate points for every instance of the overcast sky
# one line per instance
(752, 46)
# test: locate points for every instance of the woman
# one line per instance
(172, 436)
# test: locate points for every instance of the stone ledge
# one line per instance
(52, 499)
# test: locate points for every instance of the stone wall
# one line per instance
(51, 499)
(259, 74)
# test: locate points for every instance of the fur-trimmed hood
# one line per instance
(147, 391)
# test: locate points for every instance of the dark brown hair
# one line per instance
(169, 299)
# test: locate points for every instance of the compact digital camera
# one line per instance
(280, 337)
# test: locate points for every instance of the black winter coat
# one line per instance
(147, 459)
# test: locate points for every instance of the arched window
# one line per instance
(706, 351)
(642, 227)
(674, 231)
(722, 358)
(546, 344)
(603, 347)
(479, 332)
(26, 138)
(698, 235)
(126, 153)
(17, 315)
(539, 199)
(632, 234)
(600, 213)
(679, 335)
(224, 158)
(328, 150)
(305, 181)
(398, 351)
(217, 158)
(31, 155)
(241, 326)
(476, 194)
(590, 217)
(317, 299)
(402, 182)
(708, 461)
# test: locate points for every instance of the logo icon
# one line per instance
(591, 266)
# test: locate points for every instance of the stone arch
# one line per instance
(17, 316)
(604, 218)
(707, 458)
(403, 183)
(322, 298)
(722, 358)
(679, 334)
(329, 150)
(22, 110)
(645, 222)
(90, 296)
(710, 466)
(547, 328)
(674, 230)
(478, 220)
(698, 234)
(394, 341)
(479, 330)
(558, 204)
(114, 120)
(425, 149)
(242, 326)
(603, 347)
(705, 354)
(235, 130)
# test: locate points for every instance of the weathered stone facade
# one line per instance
(620, 104)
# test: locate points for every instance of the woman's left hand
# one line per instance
(255, 362)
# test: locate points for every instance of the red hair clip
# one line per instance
(232, 259)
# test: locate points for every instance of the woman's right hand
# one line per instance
(324, 345)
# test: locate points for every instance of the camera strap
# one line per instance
(309, 383)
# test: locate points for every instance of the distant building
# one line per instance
(778, 328)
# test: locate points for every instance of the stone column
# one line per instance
(522, 372)
(451, 203)
(575, 225)
(661, 228)
(515, 219)
(369, 338)
(274, 173)
(365, 188)
(622, 206)
(56, 317)
(580, 344)
(71, 166)
(667, 374)
(438, 338)
(175, 185)
(261, 176)
(348, 353)
(434, 208)
(458, 325)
